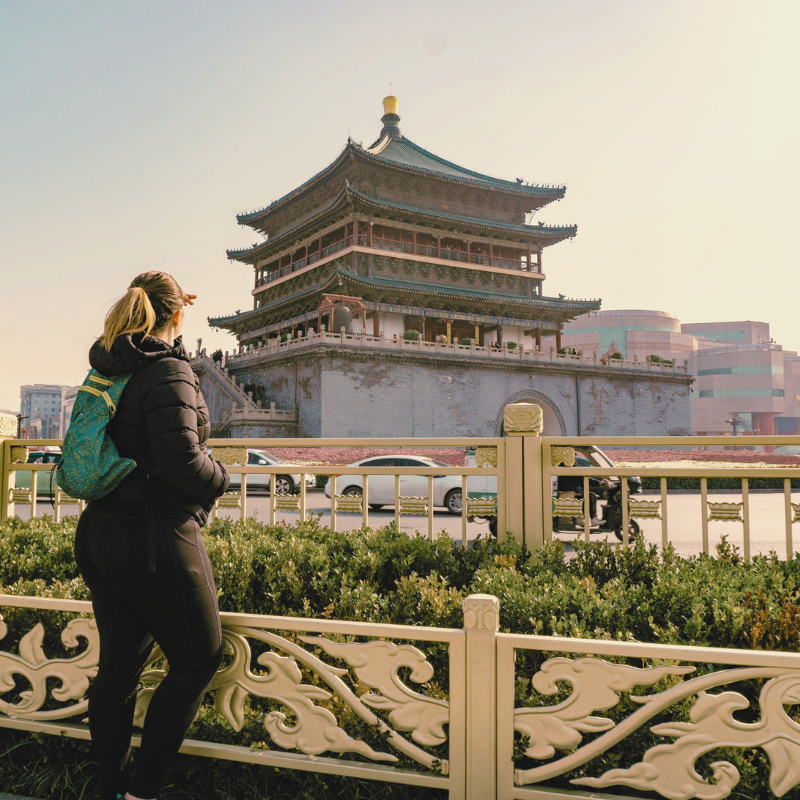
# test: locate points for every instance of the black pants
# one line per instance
(176, 606)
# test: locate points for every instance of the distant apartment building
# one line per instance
(40, 410)
(745, 383)
(68, 396)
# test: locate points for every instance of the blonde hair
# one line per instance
(147, 306)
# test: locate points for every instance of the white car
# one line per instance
(284, 484)
(446, 488)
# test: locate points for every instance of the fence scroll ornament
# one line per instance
(413, 505)
(229, 500)
(231, 456)
(668, 769)
(33, 666)
(725, 512)
(567, 507)
(19, 455)
(562, 455)
(523, 418)
(644, 509)
(287, 502)
(349, 504)
(280, 677)
(486, 455)
(23, 496)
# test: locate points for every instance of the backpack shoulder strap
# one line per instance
(110, 390)
(112, 409)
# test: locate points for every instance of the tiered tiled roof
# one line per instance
(561, 307)
(404, 154)
(394, 151)
(350, 197)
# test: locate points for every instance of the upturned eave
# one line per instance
(350, 198)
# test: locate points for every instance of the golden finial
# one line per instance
(390, 103)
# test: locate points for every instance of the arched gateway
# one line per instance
(554, 424)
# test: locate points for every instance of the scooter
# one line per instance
(610, 490)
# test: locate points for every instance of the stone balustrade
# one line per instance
(503, 353)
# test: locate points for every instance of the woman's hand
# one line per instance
(188, 299)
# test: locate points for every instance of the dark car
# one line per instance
(46, 480)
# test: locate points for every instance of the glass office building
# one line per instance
(745, 383)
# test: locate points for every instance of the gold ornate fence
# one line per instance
(521, 466)
(472, 711)
(558, 458)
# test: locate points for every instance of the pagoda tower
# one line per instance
(426, 244)
(385, 240)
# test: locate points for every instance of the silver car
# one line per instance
(284, 484)
(446, 488)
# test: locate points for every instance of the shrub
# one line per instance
(411, 336)
(617, 356)
(511, 345)
(372, 575)
(465, 340)
(693, 484)
(654, 359)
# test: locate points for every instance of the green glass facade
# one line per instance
(617, 334)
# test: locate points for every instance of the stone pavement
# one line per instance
(4, 796)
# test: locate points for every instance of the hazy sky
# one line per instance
(131, 133)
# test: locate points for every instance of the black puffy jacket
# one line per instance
(162, 423)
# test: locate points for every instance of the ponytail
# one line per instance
(151, 299)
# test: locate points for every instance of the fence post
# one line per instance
(481, 623)
(8, 430)
(523, 422)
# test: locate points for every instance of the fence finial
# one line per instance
(481, 612)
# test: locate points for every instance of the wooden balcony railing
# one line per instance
(393, 245)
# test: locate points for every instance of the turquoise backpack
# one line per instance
(90, 464)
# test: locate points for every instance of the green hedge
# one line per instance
(654, 484)
(387, 576)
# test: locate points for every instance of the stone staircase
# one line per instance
(224, 380)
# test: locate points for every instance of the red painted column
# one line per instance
(558, 339)
(764, 422)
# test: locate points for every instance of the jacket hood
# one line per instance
(130, 352)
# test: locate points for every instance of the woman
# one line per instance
(139, 548)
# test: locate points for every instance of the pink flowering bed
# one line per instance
(730, 456)
(341, 456)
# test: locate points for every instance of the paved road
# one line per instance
(685, 533)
